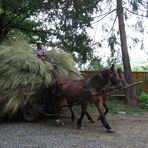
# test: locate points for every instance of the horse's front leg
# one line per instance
(106, 107)
(83, 112)
(103, 100)
(101, 110)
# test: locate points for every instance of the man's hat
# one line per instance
(39, 42)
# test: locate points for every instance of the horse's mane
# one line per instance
(104, 73)
(100, 78)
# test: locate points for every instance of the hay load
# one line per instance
(23, 76)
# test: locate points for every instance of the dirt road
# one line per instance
(131, 132)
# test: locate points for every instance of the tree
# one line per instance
(131, 96)
(111, 34)
(14, 14)
(60, 23)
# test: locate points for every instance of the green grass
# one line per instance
(115, 106)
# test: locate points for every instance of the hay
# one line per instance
(64, 63)
(23, 76)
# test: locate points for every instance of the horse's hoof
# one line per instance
(110, 131)
(61, 123)
(57, 122)
(99, 118)
(92, 121)
(80, 128)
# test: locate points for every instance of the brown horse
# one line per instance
(101, 98)
(85, 92)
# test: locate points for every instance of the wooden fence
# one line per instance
(136, 76)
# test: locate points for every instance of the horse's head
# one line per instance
(113, 77)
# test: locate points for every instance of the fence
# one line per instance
(136, 76)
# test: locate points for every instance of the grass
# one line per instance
(116, 106)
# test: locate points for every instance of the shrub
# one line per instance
(143, 100)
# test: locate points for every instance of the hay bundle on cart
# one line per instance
(23, 76)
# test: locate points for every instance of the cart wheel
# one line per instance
(30, 113)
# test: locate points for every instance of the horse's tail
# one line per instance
(56, 96)
(52, 87)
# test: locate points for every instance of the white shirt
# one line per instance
(39, 51)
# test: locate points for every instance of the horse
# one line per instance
(85, 92)
(101, 98)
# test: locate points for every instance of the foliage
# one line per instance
(143, 68)
(60, 23)
(143, 100)
(135, 14)
(23, 76)
(15, 15)
(95, 64)
(63, 23)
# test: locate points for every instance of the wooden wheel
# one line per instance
(30, 113)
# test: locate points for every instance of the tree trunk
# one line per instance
(131, 97)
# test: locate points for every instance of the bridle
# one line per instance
(113, 78)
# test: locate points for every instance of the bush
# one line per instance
(143, 100)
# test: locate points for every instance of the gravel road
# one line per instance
(131, 131)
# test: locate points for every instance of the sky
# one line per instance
(137, 55)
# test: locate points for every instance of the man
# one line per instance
(39, 51)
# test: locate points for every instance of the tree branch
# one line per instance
(109, 31)
(30, 30)
(13, 19)
(135, 13)
(104, 16)
(102, 11)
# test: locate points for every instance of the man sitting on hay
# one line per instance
(39, 51)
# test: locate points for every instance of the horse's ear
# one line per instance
(121, 75)
(112, 68)
(119, 71)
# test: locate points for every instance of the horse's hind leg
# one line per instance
(59, 121)
(89, 117)
(83, 112)
(72, 114)
(57, 109)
